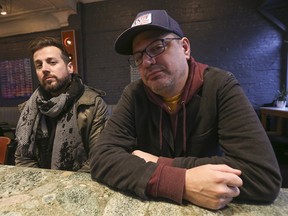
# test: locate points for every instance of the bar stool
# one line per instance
(4, 142)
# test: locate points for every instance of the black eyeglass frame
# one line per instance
(164, 42)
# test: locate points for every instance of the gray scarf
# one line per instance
(68, 150)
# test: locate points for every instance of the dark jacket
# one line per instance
(221, 128)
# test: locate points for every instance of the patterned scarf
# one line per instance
(67, 153)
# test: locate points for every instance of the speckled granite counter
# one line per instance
(28, 191)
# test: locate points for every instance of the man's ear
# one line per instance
(186, 46)
(70, 67)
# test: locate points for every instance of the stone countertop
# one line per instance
(32, 191)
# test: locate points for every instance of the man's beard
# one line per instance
(60, 85)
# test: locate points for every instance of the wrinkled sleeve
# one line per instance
(99, 120)
(111, 159)
(167, 182)
(244, 143)
(24, 161)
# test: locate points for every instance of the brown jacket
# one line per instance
(92, 117)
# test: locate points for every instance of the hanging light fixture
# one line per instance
(2, 11)
(5, 7)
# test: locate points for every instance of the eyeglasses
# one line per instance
(153, 49)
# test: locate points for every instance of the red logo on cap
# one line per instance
(142, 20)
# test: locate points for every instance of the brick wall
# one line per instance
(229, 34)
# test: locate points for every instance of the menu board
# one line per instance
(16, 78)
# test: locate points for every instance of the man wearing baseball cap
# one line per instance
(185, 130)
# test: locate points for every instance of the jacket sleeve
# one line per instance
(243, 141)
(25, 161)
(96, 120)
(111, 160)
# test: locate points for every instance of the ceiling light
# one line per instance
(2, 11)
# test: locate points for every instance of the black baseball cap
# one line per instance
(146, 20)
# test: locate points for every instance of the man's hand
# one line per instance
(146, 156)
(212, 186)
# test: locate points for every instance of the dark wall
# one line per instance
(16, 47)
(230, 34)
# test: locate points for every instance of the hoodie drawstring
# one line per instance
(160, 128)
(184, 126)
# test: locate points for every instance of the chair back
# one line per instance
(4, 142)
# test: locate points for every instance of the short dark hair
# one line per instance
(42, 42)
